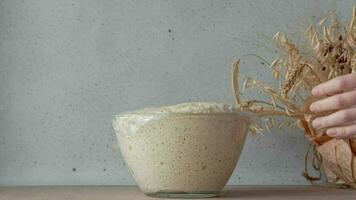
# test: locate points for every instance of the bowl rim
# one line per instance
(128, 114)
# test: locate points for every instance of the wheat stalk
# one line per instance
(333, 53)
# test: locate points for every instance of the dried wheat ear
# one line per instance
(332, 53)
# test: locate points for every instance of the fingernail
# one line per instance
(314, 91)
(331, 133)
(312, 107)
(316, 123)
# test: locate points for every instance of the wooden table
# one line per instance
(133, 193)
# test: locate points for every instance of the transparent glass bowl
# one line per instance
(181, 155)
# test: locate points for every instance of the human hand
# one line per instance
(342, 98)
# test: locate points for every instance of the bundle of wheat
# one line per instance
(332, 54)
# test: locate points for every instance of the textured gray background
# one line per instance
(67, 66)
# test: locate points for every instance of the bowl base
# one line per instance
(183, 195)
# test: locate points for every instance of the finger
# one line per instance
(337, 84)
(335, 119)
(339, 101)
(341, 91)
(342, 131)
(335, 93)
(348, 123)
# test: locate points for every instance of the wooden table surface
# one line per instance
(133, 193)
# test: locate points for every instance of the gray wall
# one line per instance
(67, 66)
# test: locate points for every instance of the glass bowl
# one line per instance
(181, 155)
